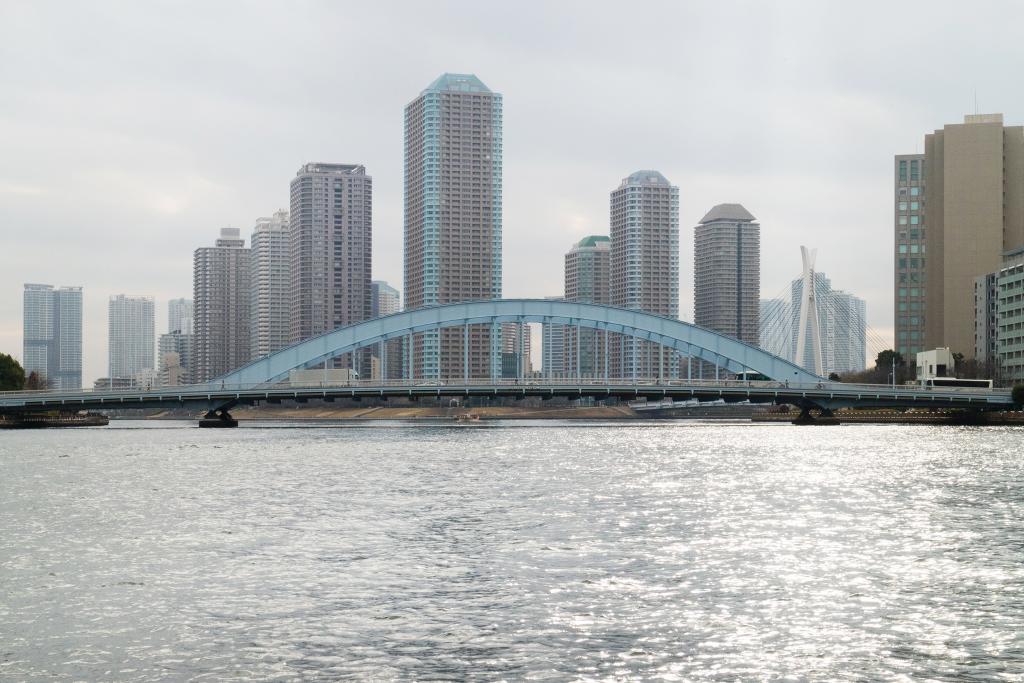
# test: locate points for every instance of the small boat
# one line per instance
(467, 417)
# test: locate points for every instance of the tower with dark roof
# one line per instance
(727, 273)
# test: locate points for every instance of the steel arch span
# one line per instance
(682, 337)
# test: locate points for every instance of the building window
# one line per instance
(915, 205)
(903, 206)
(914, 220)
(903, 171)
(914, 175)
(903, 249)
(903, 220)
(914, 191)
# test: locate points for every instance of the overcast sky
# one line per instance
(131, 132)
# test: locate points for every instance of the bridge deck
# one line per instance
(821, 394)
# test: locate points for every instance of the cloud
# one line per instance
(19, 189)
(131, 132)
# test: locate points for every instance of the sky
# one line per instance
(130, 132)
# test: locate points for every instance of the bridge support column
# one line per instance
(825, 417)
(218, 417)
(606, 335)
(521, 344)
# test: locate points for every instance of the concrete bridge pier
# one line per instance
(825, 416)
(218, 418)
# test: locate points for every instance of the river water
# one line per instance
(511, 550)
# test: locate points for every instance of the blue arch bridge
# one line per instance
(265, 380)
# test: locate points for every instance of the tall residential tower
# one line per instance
(453, 219)
(727, 273)
(270, 283)
(331, 249)
(587, 280)
(644, 265)
(53, 335)
(220, 281)
(131, 337)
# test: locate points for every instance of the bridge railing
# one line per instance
(220, 388)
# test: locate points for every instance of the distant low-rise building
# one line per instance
(1010, 317)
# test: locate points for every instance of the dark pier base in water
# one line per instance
(825, 417)
(218, 419)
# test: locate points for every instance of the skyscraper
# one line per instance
(53, 335)
(644, 264)
(387, 300)
(131, 333)
(516, 348)
(270, 285)
(587, 280)
(221, 282)
(974, 175)
(848, 328)
(331, 249)
(179, 316)
(174, 358)
(727, 273)
(552, 347)
(909, 288)
(842, 328)
(453, 163)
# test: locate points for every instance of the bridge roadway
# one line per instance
(218, 398)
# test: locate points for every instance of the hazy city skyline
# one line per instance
(122, 150)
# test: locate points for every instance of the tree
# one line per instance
(834, 377)
(34, 381)
(885, 358)
(12, 375)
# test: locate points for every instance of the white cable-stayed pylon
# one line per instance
(809, 312)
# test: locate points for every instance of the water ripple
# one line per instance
(541, 551)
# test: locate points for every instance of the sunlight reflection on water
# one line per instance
(677, 550)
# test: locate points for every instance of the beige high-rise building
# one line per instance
(270, 291)
(974, 174)
(727, 273)
(644, 265)
(220, 288)
(453, 219)
(331, 248)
